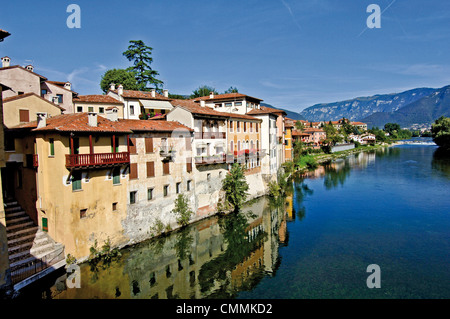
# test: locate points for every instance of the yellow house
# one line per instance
(23, 108)
(97, 103)
(76, 178)
(288, 149)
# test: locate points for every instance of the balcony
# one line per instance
(97, 160)
(167, 152)
(213, 159)
(210, 135)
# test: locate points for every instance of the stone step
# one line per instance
(17, 220)
(30, 258)
(26, 240)
(11, 215)
(11, 203)
(41, 250)
(23, 232)
(19, 226)
(12, 209)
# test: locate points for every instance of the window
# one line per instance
(231, 146)
(43, 92)
(79, 109)
(149, 145)
(208, 176)
(150, 169)
(238, 126)
(60, 98)
(101, 110)
(83, 213)
(133, 171)
(131, 109)
(20, 93)
(228, 104)
(116, 176)
(178, 188)
(149, 193)
(245, 126)
(189, 185)
(237, 103)
(90, 109)
(52, 147)
(114, 207)
(231, 126)
(24, 115)
(166, 190)
(132, 142)
(76, 181)
(133, 197)
(166, 168)
(188, 165)
(218, 105)
(114, 144)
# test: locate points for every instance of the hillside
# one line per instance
(359, 108)
(290, 114)
(422, 112)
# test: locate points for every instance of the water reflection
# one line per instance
(215, 258)
(441, 161)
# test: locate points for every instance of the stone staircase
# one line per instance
(30, 249)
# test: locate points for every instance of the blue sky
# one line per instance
(292, 54)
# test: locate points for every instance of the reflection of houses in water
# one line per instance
(194, 263)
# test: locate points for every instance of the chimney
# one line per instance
(112, 114)
(92, 119)
(41, 119)
(202, 103)
(120, 89)
(153, 91)
(29, 67)
(68, 86)
(112, 86)
(5, 62)
(166, 93)
(211, 95)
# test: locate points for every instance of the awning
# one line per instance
(154, 104)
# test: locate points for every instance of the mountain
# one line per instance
(361, 107)
(420, 113)
(290, 114)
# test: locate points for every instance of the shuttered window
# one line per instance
(133, 171)
(132, 145)
(189, 165)
(166, 170)
(150, 169)
(24, 115)
(149, 145)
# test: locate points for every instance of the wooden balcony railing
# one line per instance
(97, 160)
(210, 135)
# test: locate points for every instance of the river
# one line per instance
(389, 207)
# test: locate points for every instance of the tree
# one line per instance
(235, 186)
(140, 55)
(231, 90)
(392, 128)
(119, 76)
(299, 125)
(440, 131)
(182, 210)
(203, 90)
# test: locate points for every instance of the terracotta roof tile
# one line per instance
(265, 110)
(96, 98)
(22, 68)
(225, 96)
(76, 122)
(195, 108)
(142, 95)
(153, 125)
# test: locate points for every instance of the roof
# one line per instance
(153, 125)
(195, 108)
(225, 96)
(61, 85)
(4, 34)
(141, 95)
(76, 122)
(21, 67)
(17, 97)
(266, 110)
(358, 123)
(96, 98)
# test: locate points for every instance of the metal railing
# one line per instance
(100, 159)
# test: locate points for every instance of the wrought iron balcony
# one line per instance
(210, 135)
(97, 160)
